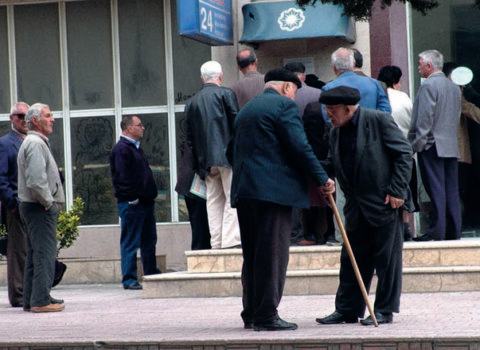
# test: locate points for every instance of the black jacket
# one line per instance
(132, 177)
(209, 123)
(383, 165)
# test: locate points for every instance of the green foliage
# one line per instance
(67, 225)
(361, 10)
(3, 230)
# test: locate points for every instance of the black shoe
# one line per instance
(277, 325)
(133, 286)
(248, 325)
(423, 238)
(19, 304)
(59, 274)
(337, 318)
(381, 319)
(56, 301)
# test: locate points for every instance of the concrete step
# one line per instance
(464, 252)
(307, 282)
(91, 270)
(428, 267)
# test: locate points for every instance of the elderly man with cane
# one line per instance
(371, 160)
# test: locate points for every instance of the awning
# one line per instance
(275, 20)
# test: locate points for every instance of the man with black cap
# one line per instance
(371, 160)
(270, 157)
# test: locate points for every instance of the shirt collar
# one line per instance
(136, 143)
(19, 134)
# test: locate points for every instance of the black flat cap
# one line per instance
(340, 95)
(295, 67)
(281, 74)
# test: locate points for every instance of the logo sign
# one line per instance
(291, 19)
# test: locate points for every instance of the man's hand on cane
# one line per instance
(328, 187)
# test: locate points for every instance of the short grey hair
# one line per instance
(35, 111)
(210, 70)
(343, 60)
(434, 57)
(15, 106)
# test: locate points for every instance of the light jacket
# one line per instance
(38, 176)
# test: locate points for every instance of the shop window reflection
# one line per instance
(92, 141)
(180, 134)
(155, 146)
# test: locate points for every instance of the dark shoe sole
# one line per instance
(274, 328)
(321, 321)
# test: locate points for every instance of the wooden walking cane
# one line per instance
(352, 259)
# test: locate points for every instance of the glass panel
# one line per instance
(4, 76)
(38, 54)
(180, 132)
(90, 54)
(186, 66)
(92, 141)
(155, 146)
(57, 144)
(453, 29)
(5, 127)
(142, 56)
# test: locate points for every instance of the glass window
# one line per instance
(4, 76)
(38, 54)
(453, 29)
(142, 54)
(90, 60)
(57, 144)
(188, 56)
(92, 141)
(5, 127)
(180, 132)
(155, 145)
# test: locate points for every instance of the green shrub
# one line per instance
(68, 222)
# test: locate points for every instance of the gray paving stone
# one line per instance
(113, 318)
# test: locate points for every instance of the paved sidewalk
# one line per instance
(106, 313)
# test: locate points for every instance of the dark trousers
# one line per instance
(41, 228)
(138, 231)
(440, 178)
(16, 256)
(376, 249)
(265, 233)
(197, 214)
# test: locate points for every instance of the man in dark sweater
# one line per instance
(135, 190)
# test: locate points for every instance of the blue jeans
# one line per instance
(138, 232)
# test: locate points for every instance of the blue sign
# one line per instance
(275, 20)
(208, 21)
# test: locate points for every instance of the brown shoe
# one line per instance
(48, 308)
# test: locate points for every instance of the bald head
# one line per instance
(246, 60)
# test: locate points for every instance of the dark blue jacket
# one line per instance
(9, 145)
(132, 177)
(271, 156)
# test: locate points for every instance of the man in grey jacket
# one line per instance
(433, 135)
(41, 194)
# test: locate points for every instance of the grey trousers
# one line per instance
(41, 252)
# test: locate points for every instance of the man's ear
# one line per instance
(286, 86)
